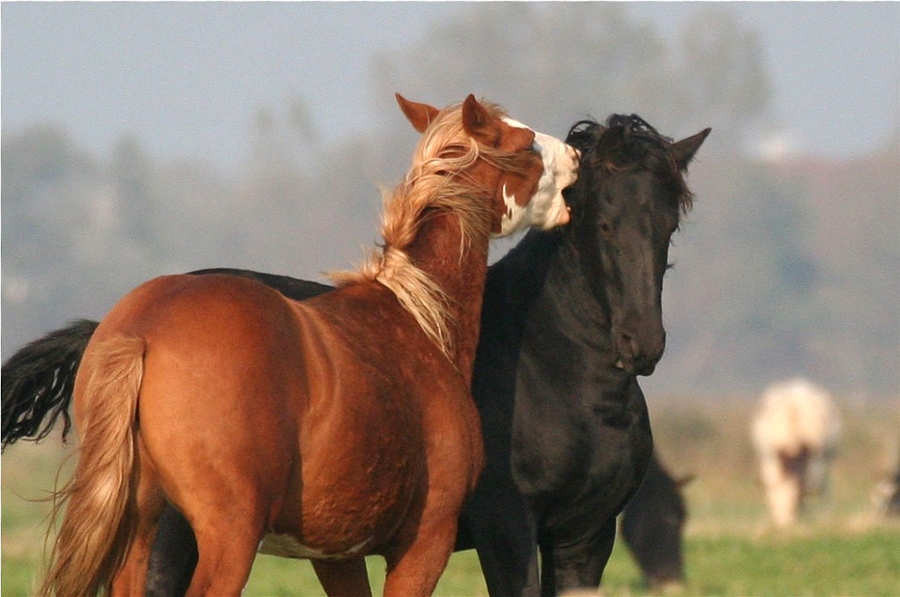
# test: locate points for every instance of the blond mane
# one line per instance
(436, 180)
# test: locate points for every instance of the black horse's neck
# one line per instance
(542, 278)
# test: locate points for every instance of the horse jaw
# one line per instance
(547, 208)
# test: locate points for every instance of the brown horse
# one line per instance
(326, 429)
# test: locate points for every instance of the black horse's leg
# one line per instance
(548, 576)
(580, 564)
(173, 556)
(498, 521)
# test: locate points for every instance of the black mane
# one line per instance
(628, 142)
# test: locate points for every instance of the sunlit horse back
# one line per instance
(328, 429)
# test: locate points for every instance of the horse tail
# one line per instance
(38, 381)
(98, 526)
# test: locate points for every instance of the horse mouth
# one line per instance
(643, 368)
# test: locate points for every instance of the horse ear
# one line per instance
(420, 115)
(685, 149)
(478, 123)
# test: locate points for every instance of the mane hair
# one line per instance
(437, 182)
(643, 147)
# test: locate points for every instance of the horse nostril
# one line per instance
(628, 346)
(635, 349)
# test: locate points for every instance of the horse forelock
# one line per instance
(644, 147)
(437, 180)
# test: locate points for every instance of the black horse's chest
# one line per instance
(580, 430)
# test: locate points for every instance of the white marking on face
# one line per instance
(547, 208)
(287, 546)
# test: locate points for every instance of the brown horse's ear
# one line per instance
(420, 115)
(685, 149)
(478, 123)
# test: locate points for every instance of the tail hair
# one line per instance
(38, 381)
(98, 525)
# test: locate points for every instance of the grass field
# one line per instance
(840, 547)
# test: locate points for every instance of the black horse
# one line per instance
(570, 318)
(652, 524)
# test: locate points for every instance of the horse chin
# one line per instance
(557, 214)
(645, 369)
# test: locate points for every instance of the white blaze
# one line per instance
(547, 208)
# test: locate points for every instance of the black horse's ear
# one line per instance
(685, 149)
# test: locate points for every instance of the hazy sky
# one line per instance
(188, 78)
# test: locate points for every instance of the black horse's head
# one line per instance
(627, 202)
(652, 525)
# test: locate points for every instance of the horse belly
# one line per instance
(285, 545)
(362, 464)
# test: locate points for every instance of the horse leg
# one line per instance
(579, 565)
(415, 571)
(548, 572)
(423, 547)
(149, 503)
(226, 546)
(343, 577)
(173, 556)
(504, 533)
(227, 514)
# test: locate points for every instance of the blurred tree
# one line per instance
(724, 80)
(780, 268)
(551, 64)
(133, 183)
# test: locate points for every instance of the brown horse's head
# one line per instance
(493, 174)
(523, 173)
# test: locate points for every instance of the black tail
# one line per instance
(38, 380)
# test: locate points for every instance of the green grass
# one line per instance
(821, 564)
(277, 576)
(840, 547)
(824, 564)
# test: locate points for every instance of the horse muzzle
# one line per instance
(639, 355)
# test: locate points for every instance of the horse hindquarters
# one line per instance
(217, 429)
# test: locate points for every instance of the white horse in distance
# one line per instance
(795, 433)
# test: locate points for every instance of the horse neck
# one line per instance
(539, 299)
(459, 270)
(561, 289)
(571, 267)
